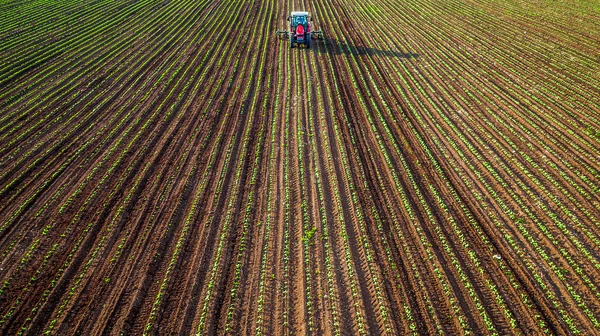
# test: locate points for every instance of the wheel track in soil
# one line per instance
(332, 180)
(337, 230)
(332, 144)
(313, 186)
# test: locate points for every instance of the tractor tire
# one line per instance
(308, 43)
(291, 42)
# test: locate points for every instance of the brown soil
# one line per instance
(175, 168)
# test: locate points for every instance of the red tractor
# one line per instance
(300, 30)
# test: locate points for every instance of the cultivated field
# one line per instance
(171, 167)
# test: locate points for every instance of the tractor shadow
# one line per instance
(335, 47)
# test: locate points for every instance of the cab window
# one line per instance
(299, 20)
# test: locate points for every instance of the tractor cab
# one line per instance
(299, 18)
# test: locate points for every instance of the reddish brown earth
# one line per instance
(171, 167)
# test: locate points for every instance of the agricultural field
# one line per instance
(172, 167)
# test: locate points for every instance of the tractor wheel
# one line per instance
(291, 42)
(308, 43)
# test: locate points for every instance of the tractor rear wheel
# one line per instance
(291, 42)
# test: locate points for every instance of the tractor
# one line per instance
(300, 30)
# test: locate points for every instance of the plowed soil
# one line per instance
(173, 167)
